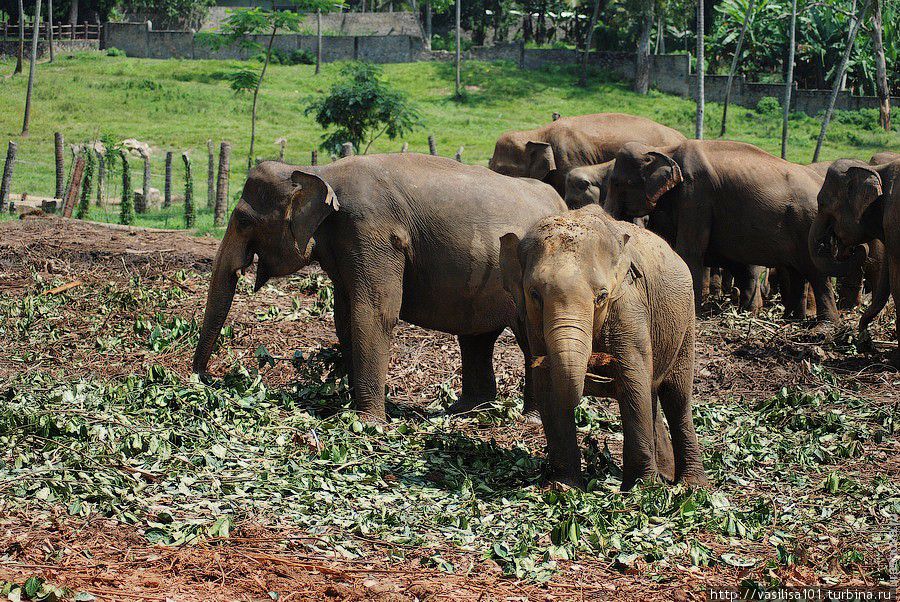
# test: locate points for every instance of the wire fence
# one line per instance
(35, 177)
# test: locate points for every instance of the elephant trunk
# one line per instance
(569, 342)
(822, 244)
(231, 257)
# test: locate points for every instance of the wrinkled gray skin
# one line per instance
(584, 284)
(588, 186)
(858, 203)
(549, 153)
(401, 236)
(729, 201)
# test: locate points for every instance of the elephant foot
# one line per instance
(864, 341)
(694, 479)
(566, 482)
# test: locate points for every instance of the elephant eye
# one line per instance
(601, 297)
(535, 295)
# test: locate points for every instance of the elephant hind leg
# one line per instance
(826, 308)
(665, 457)
(479, 384)
(675, 399)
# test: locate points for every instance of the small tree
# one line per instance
(240, 28)
(87, 184)
(360, 108)
(189, 213)
(126, 209)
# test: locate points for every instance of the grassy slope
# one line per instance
(178, 105)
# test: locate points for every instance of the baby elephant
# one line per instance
(612, 303)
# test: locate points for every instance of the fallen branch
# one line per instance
(63, 288)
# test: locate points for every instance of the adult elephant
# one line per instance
(730, 201)
(549, 153)
(589, 184)
(859, 203)
(402, 236)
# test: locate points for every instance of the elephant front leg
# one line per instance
(636, 408)
(342, 328)
(479, 385)
(895, 290)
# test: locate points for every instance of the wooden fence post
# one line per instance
(432, 147)
(314, 157)
(189, 214)
(210, 175)
(145, 188)
(405, 147)
(555, 115)
(167, 199)
(60, 165)
(346, 149)
(459, 152)
(74, 187)
(281, 143)
(101, 174)
(222, 184)
(126, 209)
(7, 175)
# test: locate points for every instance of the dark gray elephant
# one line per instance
(401, 236)
(608, 309)
(726, 202)
(549, 153)
(859, 203)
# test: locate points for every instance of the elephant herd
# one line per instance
(588, 238)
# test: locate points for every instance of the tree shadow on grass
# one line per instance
(487, 83)
(470, 466)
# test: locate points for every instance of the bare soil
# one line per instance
(737, 356)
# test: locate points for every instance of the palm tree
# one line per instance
(881, 83)
(789, 80)
(839, 77)
(642, 64)
(588, 36)
(34, 46)
(701, 73)
(734, 63)
(20, 55)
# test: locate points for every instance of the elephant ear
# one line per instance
(865, 188)
(312, 200)
(511, 269)
(660, 174)
(539, 156)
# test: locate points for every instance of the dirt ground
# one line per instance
(736, 356)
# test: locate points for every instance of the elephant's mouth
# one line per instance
(831, 246)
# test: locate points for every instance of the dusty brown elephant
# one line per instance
(549, 153)
(588, 185)
(401, 236)
(859, 203)
(602, 300)
(729, 201)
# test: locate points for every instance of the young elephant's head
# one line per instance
(564, 276)
(522, 155)
(641, 176)
(588, 185)
(848, 216)
(280, 209)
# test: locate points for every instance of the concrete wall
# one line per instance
(136, 40)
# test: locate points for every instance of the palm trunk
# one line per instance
(642, 62)
(588, 37)
(701, 73)
(881, 82)
(73, 16)
(458, 9)
(20, 55)
(256, 96)
(789, 80)
(31, 70)
(734, 63)
(857, 19)
(661, 34)
(427, 24)
(318, 40)
(50, 27)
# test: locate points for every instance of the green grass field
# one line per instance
(177, 105)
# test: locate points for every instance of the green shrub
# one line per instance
(448, 42)
(114, 52)
(769, 106)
